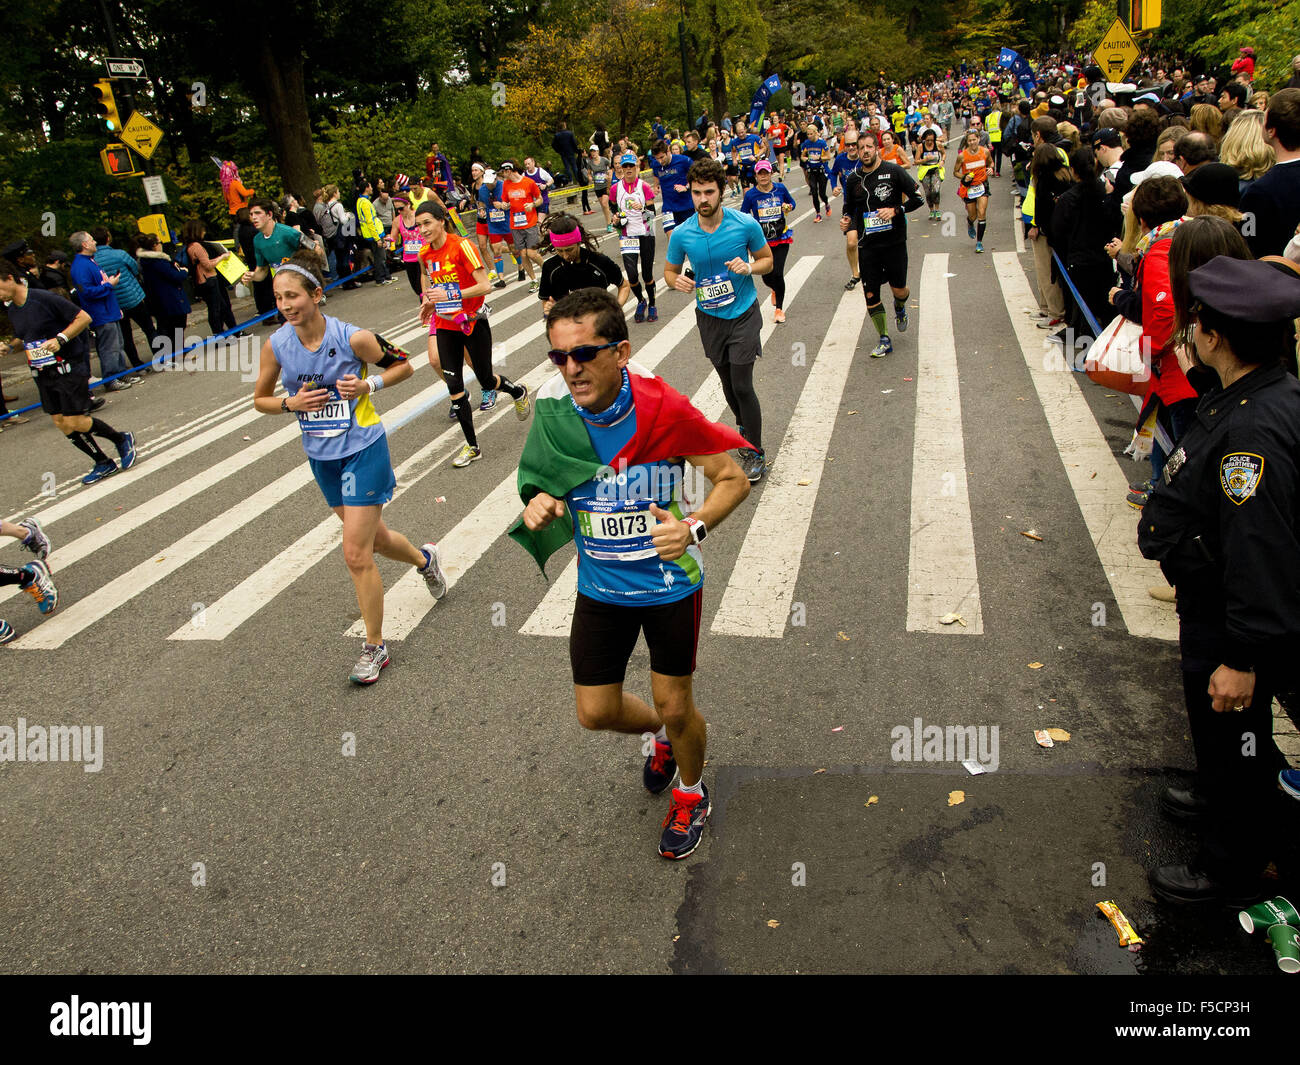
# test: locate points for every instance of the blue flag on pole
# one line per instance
(765, 92)
(1021, 69)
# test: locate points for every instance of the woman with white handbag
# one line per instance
(1158, 205)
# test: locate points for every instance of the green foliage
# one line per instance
(1272, 27)
(383, 78)
(397, 139)
(1091, 25)
(66, 179)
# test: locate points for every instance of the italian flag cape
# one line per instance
(558, 455)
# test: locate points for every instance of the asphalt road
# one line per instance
(469, 764)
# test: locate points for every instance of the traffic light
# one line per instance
(106, 106)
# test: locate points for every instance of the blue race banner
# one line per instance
(765, 92)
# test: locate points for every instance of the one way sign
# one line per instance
(125, 68)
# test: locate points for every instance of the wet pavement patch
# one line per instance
(1001, 882)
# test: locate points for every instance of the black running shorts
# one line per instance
(603, 636)
(63, 393)
(882, 265)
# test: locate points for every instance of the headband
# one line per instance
(299, 270)
(566, 240)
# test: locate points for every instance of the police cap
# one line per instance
(1248, 289)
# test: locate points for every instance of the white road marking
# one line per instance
(1084, 450)
(758, 597)
(942, 576)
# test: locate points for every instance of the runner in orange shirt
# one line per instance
(453, 283)
(519, 196)
(892, 152)
(973, 163)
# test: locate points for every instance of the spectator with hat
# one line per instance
(1273, 202)
(1221, 523)
(1212, 189)
(21, 255)
(1245, 63)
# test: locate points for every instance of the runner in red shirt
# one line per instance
(778, 133)
(453, 282)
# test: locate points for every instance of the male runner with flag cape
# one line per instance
(604, 465)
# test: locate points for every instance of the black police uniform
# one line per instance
(1222, 522)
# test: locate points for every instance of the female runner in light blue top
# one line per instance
(326, 368)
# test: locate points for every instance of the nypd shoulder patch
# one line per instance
(1239, 474)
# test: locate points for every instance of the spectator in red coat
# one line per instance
(1246, 63)
(1159, 204)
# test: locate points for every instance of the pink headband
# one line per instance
(565, 240)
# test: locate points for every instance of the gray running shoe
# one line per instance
(432, 573)
(523, 405)
(373, 659)
(465, 456)
(36, 542)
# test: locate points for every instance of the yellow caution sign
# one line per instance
(1117, 52)
(141, 134)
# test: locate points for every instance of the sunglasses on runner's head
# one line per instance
(583, 353)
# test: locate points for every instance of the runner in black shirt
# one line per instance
(53, 332)
(875, 197)
(576, 264)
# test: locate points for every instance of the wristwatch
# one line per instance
(284, 405)
(698, 529)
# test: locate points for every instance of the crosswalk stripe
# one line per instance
(221, 618)
(261, 586)
(1084, 450)
(942, 577)
(554, 613)
(758, 596)
(60, 628)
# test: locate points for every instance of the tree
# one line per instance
(1271, 27)
(730, 36)
(617, 68)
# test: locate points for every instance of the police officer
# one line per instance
(1224, 523)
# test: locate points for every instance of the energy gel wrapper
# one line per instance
(1127, 937)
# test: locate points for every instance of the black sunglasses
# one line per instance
(584, 353)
